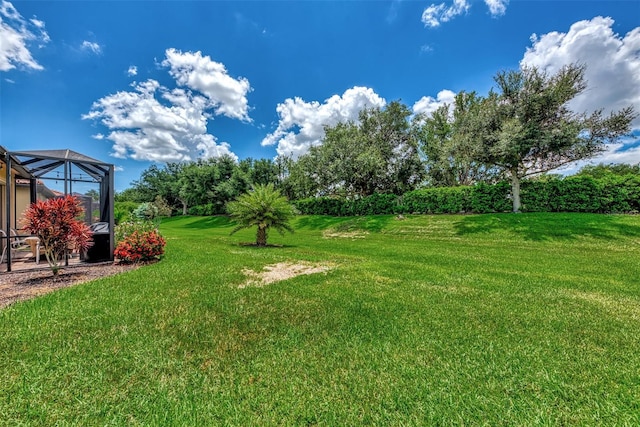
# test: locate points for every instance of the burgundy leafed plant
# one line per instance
(56, 223)
(140, 246)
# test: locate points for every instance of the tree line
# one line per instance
(523, 127)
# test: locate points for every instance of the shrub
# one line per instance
(140, 246)
(124, 229)
(487, 198)
(162, 207)
(122, 211)
(145, 212)
(56, 223)
(204, 210)
(438, 200)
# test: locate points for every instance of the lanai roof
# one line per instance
(39, 162)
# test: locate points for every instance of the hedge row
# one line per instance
(614, 194)
(206, 210)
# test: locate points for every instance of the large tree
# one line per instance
(376, 154)
(449, 154)
(528, 127)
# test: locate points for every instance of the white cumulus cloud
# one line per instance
(301, 124)
(427, 104)
(153, 122)
(497, 7)
(228, 95)
(612, 70)
(16, 34)
(435, 14)
(132, 71)
(91, 46)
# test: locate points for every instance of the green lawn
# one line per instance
(530, 319)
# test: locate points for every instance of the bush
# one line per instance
(204, 210)
(162, 207)
(140, 246)
(124, 229)
(122, 211)
(486, 198)
(438, 200)
(580, 193)
(145, 212)
(55, 222)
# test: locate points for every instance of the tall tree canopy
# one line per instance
(379, 153)
(449, 154)
(528, 128)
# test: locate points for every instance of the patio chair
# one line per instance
(18, 243)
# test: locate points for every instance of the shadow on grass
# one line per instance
(372, 223)
(549, 226)
(209, 222)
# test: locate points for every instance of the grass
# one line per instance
(529, 319)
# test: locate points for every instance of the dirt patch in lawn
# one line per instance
(281, 271)
(22, 285)
(332, 234)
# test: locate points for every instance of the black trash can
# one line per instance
(100, 249)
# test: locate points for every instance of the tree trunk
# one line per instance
(184, 207)
(261, 237)
(515, 191)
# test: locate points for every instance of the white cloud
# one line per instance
(612, 63)
(301, 124)
(144, 128)
(132, 71)
(91, 46)
(428, 104)
(435, 14)
(228, 95)
(153, 122)
(16, 34)
(497, 7)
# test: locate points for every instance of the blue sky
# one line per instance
(153, 81)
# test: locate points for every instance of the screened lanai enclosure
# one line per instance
(44, 174)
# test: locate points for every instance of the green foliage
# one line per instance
(449, 154)
(376, 154)
(263, 207)
(122, 211)
(129, 195)
(612, 194)
(162, 206)
(205, 210)
(602, 170)
(127, 228)
(583, 193)
(528, 128)
(145, 212)
(438, 200)
(486, 198)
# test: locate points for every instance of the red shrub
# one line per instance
(140, 246)
(55, 223)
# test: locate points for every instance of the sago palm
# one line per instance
(263, 207)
